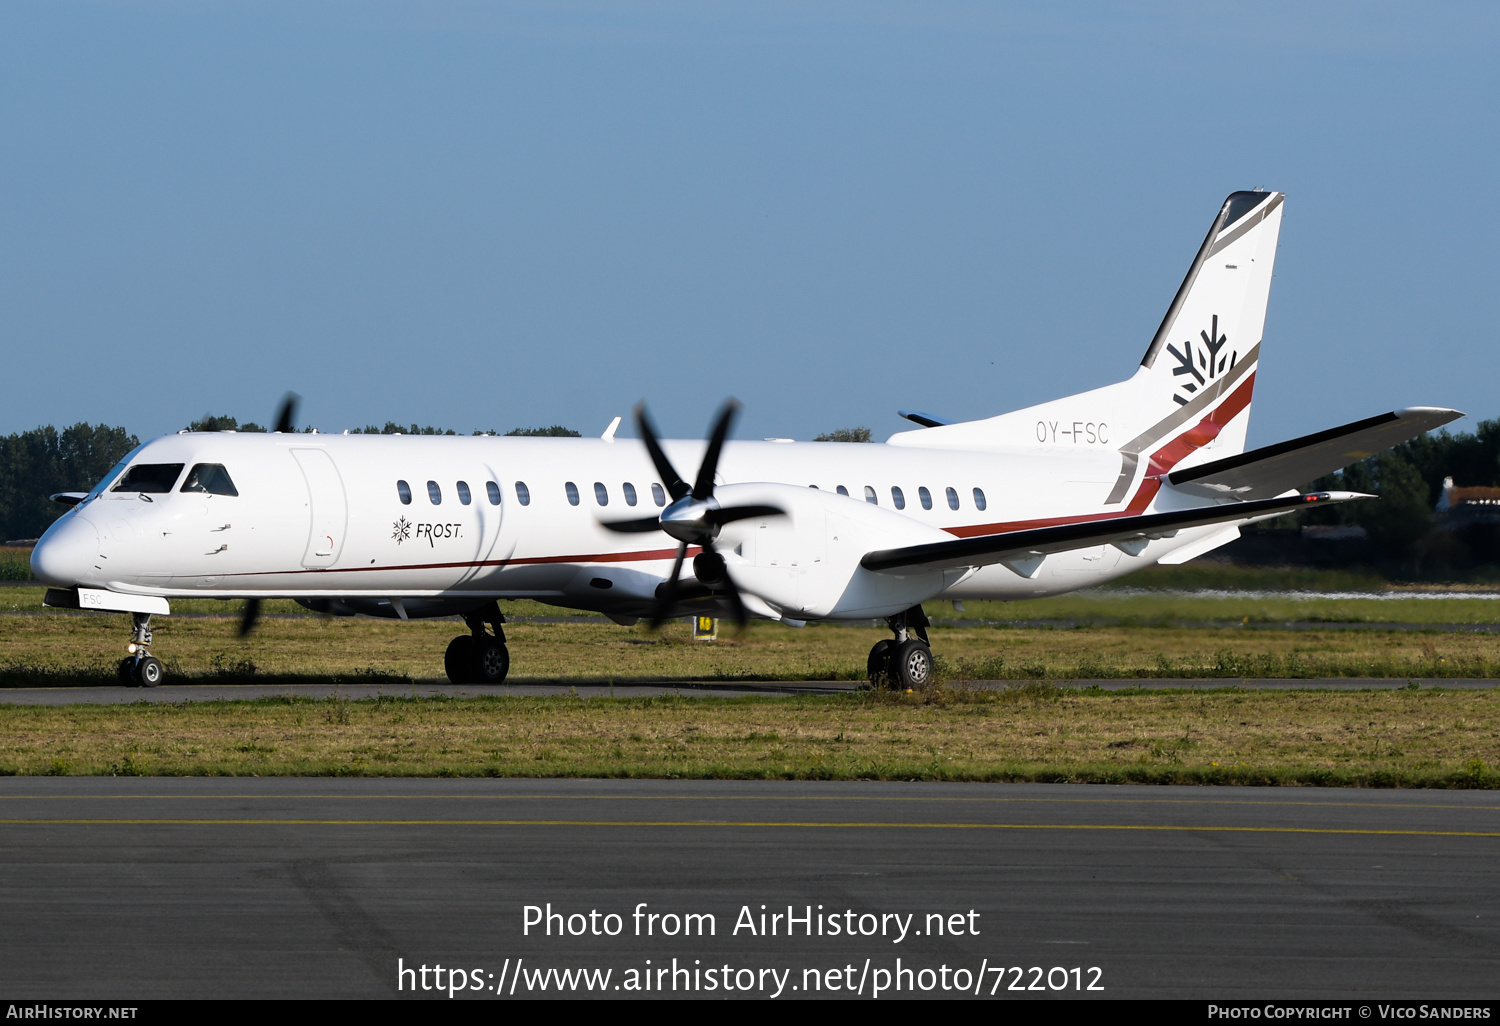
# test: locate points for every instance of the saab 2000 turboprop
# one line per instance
(1035, 502)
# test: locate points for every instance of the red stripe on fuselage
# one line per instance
(1161, 462)
(650, 555)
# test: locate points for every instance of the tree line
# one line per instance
(1409, 480)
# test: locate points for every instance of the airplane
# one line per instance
(1039, 501)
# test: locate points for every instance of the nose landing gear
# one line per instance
(904, 663)
(140, 668)
(479, 657)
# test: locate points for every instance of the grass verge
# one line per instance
(1033, 732)
(61, 649)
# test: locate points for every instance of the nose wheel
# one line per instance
(903, 663)
(479, 657)
(140, 669)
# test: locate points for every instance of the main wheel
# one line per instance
(149, 670)
(127, 672)
(878, 666)
(459, 659)
(911, 665)
(491, 661)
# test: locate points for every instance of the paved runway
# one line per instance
(137, 888)
(116, 695)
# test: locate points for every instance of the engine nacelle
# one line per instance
(805, 565)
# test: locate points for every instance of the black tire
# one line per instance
(491, 661)
(878, 666)
(127, 672)
(911, 665)
(149, 671)
(459, 659)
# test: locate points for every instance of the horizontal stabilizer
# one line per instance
(1022, 546)
(924, 419)
(1277, 469)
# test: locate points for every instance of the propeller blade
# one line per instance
(710, 569)
(703, 488)
(675, 485)
(641, 526)
(669, 591)
(248, 618)
(729, 514)
(731, 591)
(286, 413)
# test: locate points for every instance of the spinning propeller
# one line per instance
(693, 517)
(286, 417)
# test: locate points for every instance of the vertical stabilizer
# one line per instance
(1189, 401)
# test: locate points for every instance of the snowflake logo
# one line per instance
(1209, 363)
(402, 530)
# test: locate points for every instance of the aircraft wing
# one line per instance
(1020, 548)
(1277, 469)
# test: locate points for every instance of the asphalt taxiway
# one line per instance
(139, 888)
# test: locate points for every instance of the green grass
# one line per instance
(59, 649)
(1150, 609)
(1210, 573)
(1036, 732)
(15, 564)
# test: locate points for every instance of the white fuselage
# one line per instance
(323, 516)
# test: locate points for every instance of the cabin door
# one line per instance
(328, 509)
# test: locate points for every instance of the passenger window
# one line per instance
(463, 492)
(572, 490)
(897, 498)
(404, 490)
(952, 499)
(434, 493)
(493, 491)
(979, 502)
(658, 496)
(211, 478)
(601, 493)
(629, 490)
(925, 496)
(151, 478)
(523, 494)
(870, 496)
(842, 490)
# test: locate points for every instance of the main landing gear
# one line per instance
(904, 663)
(479, 657)
(140, 668)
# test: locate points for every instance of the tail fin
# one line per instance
(1215, 321)
(1192, 390)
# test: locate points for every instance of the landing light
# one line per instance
(131, 648)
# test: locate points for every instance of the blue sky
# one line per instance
(490, 215)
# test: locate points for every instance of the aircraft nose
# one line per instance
(66, 553)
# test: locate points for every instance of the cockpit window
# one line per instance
(151, 478)
(114, 472)
(211, 478)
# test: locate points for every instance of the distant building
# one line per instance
(1469, 517)
(1468, 505)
